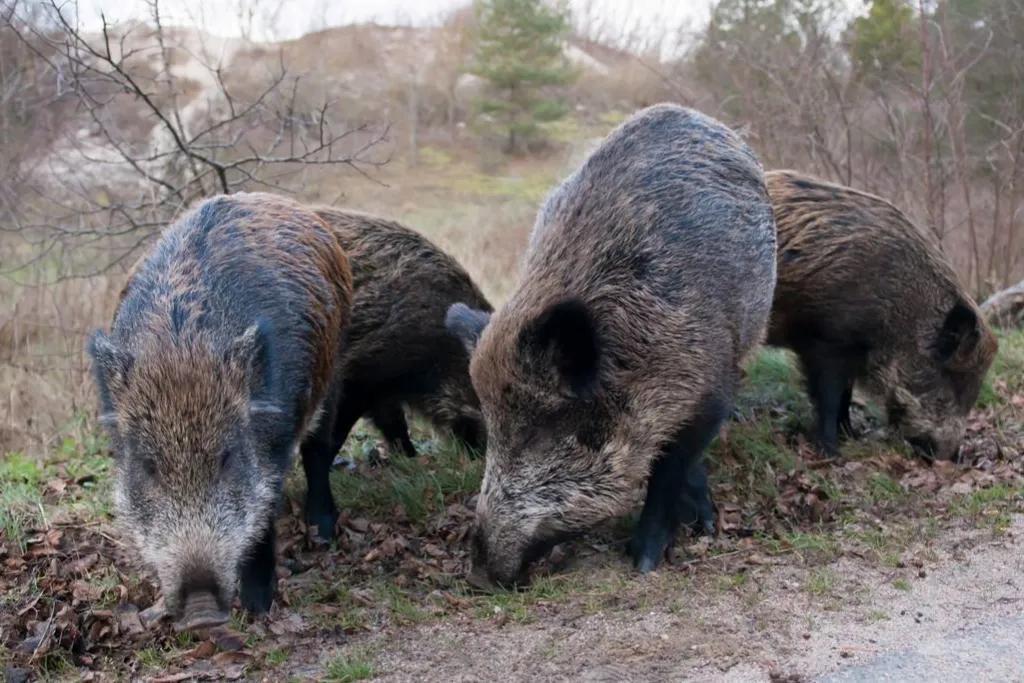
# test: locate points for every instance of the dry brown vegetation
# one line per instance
(88, 173)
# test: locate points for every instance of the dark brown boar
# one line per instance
(221, 354)
(864, 298)
(397, 352)
(647, 279)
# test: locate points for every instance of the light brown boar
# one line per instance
(863, 298)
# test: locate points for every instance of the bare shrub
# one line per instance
(158, 126)
(111, 135)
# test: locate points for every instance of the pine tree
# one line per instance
(520, 54)
(884, 43)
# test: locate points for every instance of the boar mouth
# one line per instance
(925, 447)
(483, 578)
(202, 610)
(478, 579)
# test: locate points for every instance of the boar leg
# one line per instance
(845, 423)
(390, 420)
(677, 491)
(350, 409)
(318, 453)
(258, 574)
(828, 380)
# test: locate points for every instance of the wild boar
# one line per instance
(221, 354)
(648, 277)
(397, 351)
(863, 298)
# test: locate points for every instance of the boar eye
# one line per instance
(149, 466)
(225, 458)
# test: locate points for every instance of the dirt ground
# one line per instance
(770, 629)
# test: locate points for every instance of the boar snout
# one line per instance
(504, 563)
(202, 605)
(932, 449)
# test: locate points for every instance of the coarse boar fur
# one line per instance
(397, 352)
(222, 351)
(648, 277)
(863, 297)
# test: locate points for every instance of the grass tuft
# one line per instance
(354, 666)
(1006, 376)
(821, 582)
(21, 504)
(421, 486)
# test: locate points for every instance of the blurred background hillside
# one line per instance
(457, 119)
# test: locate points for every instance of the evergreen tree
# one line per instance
(520, 54)
(884, 43)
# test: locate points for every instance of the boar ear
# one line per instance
(251, 351)
(466, 324)
(958, 340)
(568, 332)
(111, 365)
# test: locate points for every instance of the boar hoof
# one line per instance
(704, 522)
(647, 549)
(828, 450)
(323, 525)
(646, 564)
(257, 598)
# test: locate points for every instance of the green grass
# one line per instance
(55, 665)
(21, 502)
(977, 502)
(80, 457)
(731, 582)
(517, 605)
(991, 506)
(421, 486)
(1007, 371)
(772, 381)
(884, 490)
(901, 584)
(400, 605)
(532, 188)
(151, 658)
(354, 666)
(351, 616)
(761, 453)
(821, 582)
(819, 546)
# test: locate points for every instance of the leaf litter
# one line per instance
(73, 593)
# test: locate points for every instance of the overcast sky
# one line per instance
(298, 17)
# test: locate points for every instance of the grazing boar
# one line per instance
(222, 351)
(863, 298)
(397, 351)
(648, 277)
